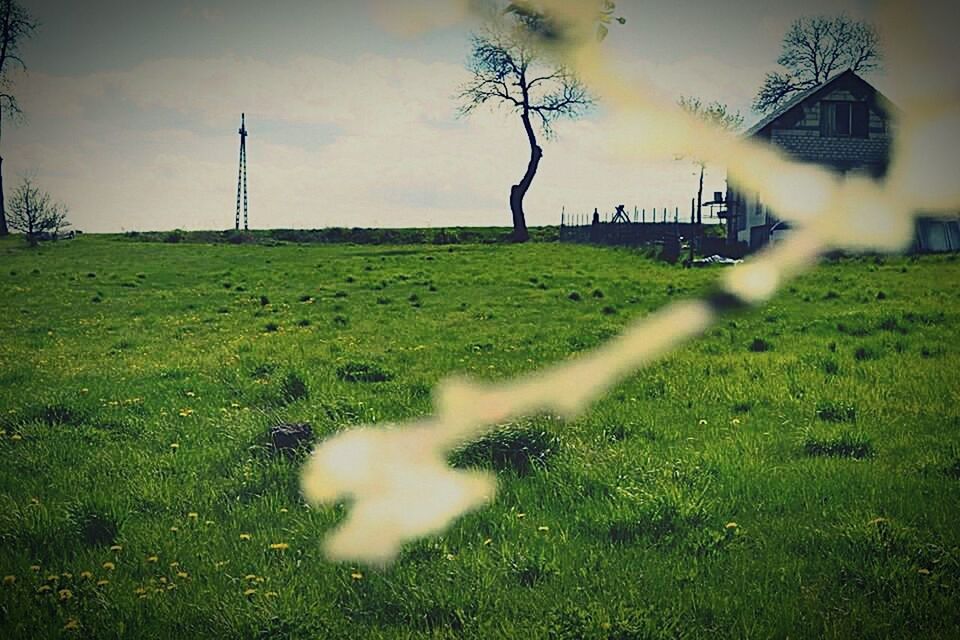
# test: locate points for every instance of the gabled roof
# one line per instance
(804, 95)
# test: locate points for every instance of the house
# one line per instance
(843, 124)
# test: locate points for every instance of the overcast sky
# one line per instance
(132, 110)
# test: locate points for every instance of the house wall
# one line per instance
(798, 133)
(799, 136)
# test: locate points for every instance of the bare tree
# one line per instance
(33, 212)
(814, 49)
(16, 25)
(510, 68)
(716, 114)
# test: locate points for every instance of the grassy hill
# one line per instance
(796, 472)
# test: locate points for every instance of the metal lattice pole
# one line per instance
(242, 176)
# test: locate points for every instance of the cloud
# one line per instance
(155, 146)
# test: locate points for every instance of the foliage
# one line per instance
(16, 25)
(509, 69)
(814, 49)
(717, 493)
(32, 211)
(715, 114)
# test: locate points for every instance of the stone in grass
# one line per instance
(290, 438)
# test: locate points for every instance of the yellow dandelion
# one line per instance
(250, 576)
(140, 591)
(65, 594)
(280, 546)
(356, 575)
(249, 592)
(193, 515)
(67, 575)
(271, 594)
(521, 515)
(174, 564)
(283, 509)
(543, 528)
(174, 529)
(152, 559)
(923, 572)
(72, 624)
(208, 522)
(245, 536)
(735, 421)
(488, 541)
(34, 567)
(8, 580)
(109, 566)
(190, 394)
(702, 422)
(45, 589)
(86, 575)
(174, 445)
(730, 526)
(16, 436)
(183, 574)
(116, 547)
(171, 586)
(102, 583)
(34, 501)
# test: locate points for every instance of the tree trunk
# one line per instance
(4, 231)
(699, 231)
(518, 191)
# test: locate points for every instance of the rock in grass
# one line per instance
(289, 438)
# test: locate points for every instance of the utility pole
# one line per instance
(242, 176)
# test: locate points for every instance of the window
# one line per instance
(844, 119)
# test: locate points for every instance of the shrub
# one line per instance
(575, 296)
(759, 345)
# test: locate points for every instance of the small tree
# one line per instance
(16, 24)
(34, 213)
(814, 49)
(715, 114)
(510, 68)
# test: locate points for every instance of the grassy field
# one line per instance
(795, 473)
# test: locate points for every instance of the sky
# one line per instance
(132, 109)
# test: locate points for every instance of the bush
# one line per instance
(175, 236)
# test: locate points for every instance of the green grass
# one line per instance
(796, 472)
